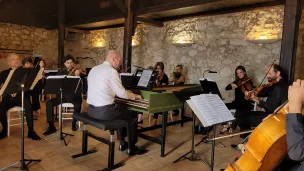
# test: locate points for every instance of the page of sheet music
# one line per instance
(145, 78)
(206, 109)
(220, 108)
(55, 76)
(212, 109)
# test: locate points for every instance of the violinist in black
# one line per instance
(162, 79)
(241, 84)
(75, 99)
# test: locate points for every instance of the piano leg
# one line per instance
(163, 137)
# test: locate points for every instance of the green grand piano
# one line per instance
(161, 99)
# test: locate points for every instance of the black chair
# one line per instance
(105, 126)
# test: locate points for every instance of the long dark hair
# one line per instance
(241, 68)
(160, 64)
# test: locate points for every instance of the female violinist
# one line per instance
(162, 79)
(241, 84)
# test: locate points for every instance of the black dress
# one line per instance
(242, 106)
(164, 80)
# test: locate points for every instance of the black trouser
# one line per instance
(155, 115)
(290, 165)
(35, 100)
(9, 102)
(254, 118)
(76, 100)
(117, 112)
(240, 119)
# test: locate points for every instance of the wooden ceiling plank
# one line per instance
(150, 22)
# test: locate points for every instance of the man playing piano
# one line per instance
(103, 85)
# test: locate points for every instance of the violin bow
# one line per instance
(267, 73)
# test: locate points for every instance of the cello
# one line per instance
(266, 146)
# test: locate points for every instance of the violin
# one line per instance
(257, 90)
(245, 85)
(261, 87)
(160, 76)
(72, 72)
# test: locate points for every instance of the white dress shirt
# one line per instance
(103, 84)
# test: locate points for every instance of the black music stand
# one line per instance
(209, 87)
(62, 84)
(20, 80)
(192, 152)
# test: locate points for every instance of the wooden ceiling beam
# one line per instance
(172, 6)
(95, 19)
(149, 22)
(75, 30)
(104, 27)
(225, 10)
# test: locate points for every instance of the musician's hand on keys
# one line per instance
(234, 86)
(137, 97)
(14, 95)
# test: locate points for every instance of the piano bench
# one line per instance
(111, 126)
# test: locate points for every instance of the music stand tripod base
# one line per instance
(194, 155)
(23, 160)
(61, 134)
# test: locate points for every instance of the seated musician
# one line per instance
(295, 128)
(162, 79)
(104, 85)
(28, 63)
(75, 99)
(178, 79)
(10, 101)
(239, 103)
(276, 95)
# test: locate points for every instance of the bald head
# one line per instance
(114, 58)
(13, 61)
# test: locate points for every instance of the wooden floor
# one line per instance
(55, 155)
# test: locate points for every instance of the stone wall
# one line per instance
(220, 44)
(34, 40)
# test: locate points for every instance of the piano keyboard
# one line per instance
(142, 103)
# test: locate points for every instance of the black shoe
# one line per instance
(141, 122)
(3, 134)
(234, 146)
(32, 134)
(51, 129)
(123, 147)
(136, 151)
(74, 127)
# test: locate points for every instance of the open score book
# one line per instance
(210, 109)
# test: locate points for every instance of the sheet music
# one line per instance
(145, 78)
(73, 76)
(38, 77)
(7, 81)
(208, 79)
(55, 76)
(47, 71)
(210, 109)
